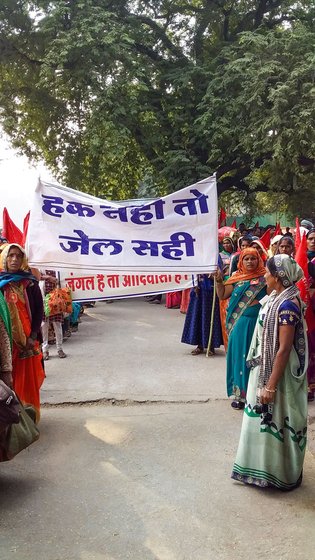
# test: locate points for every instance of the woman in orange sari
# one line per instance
(24, 299)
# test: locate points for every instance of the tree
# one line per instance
(259, 109)
(117, 94)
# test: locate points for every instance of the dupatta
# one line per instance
(242, 297)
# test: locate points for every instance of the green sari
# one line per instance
(240, 323)
(5, 316)
(271, 454)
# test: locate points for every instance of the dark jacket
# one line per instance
(37, 309)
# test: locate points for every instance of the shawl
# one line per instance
(7, 277)
(5, 316)
(243, 296)
(241, 274)
(289, 272)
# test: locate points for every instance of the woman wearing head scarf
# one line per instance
(285, 246)
(242, 243)
(198, 325)
(245, 288)
(310, 239)
(5, 343)
(226, 255)
(258, 244)
(273, 436)
(24, 300)
(274, 245)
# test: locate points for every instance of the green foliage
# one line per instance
(264, 97)
(124, 98)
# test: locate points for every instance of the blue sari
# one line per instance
(198, 317)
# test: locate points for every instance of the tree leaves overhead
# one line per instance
(118, 95)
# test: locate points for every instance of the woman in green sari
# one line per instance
(5, 343)
(245, 288)
(273, 437)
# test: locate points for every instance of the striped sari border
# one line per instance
(260, 478)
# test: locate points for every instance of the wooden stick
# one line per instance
(211, 320)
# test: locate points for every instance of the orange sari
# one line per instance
(28, 372)
(185, 300)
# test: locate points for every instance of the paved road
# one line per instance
(131, 350)
(142, 481)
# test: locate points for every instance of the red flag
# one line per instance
(265, 238)
(233, 225)
(278, 230)
(222, 217)
(25, 228)
(297, 234)
(9, 230)
(304, 284)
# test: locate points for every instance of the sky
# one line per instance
(18, 180)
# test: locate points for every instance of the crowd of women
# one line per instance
(253, 306)
(23, 326)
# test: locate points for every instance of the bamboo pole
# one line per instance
(212, 317)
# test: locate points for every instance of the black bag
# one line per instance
(9, 405)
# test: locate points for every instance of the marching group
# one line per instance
(251, 305)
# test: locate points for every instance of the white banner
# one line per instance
(85, 287)
(177, 233)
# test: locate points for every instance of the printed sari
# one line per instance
(28, 373)
(271, 453)
(226, 259)
(241, 319)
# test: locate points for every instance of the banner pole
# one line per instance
(211, 320)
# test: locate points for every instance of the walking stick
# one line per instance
(212, 316)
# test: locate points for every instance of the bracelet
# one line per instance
(270, 390)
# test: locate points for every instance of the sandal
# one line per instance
(197, 351)
(46, 356)
(238, 405)
(61, 354)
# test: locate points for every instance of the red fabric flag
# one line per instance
(9, 230)
(278, 230)
(233, 225)
(222, 217)
(265, 238)
(25, 228)
(297, 234)
(304, 284)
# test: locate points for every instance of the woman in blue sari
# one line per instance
(245, 288)
(197, 324)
